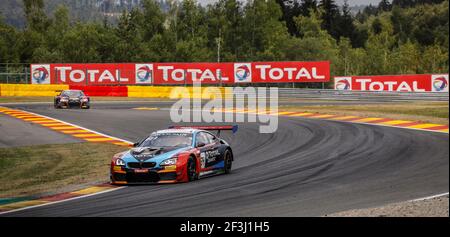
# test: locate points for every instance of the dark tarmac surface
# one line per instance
(309, 167)
(15, 132)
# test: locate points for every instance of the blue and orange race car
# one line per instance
(177, 154)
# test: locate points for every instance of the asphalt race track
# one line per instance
(309, 167)
(15, 132)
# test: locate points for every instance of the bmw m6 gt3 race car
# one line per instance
(177, 154)
(72, 98)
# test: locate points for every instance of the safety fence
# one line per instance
(212, 92)
(218, 74)
(267, 74)
(379, 96)
(15, 73)
(22, 74)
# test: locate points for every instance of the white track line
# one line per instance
(385, 125)
(80, 127)
(373, 124)
(418, 199)
(429, 197)
(65, 200)
(109, 190)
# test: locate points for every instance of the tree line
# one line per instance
(398, 37)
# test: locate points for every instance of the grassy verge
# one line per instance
(430, 112)
(34, 170)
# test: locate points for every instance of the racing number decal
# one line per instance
(208, 156)
(203, 159)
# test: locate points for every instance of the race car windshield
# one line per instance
(168, 140)
(73, 93)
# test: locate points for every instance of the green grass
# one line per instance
(40, 169)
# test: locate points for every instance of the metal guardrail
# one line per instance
(378, 96)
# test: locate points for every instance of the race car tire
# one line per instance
(228, 160)
(191, 170)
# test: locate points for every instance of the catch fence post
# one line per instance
(56, 81)
(86, 76)
(26, 74)
(7, 74)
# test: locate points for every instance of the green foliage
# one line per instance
(153, 19)
(402, 37)
(8, 43)
(434, 59)
(316, 43)
(36, 18)
(80, 44)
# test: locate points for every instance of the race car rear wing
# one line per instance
(233, 128)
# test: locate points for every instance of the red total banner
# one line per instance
(400, 83)
(188, 73)
(291, 72)
(83, 74)
(180, 73)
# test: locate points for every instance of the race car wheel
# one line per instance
(227, 162)
(191, 170)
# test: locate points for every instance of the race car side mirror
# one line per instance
(201, 144)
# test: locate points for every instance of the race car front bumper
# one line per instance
(74, 104)
(122, 175)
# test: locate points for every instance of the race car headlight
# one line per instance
(171, 161)
(120, 162)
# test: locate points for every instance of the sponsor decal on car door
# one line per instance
(209, 154)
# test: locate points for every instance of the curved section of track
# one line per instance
(307, 168)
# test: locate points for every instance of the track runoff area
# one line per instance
(303, 164)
